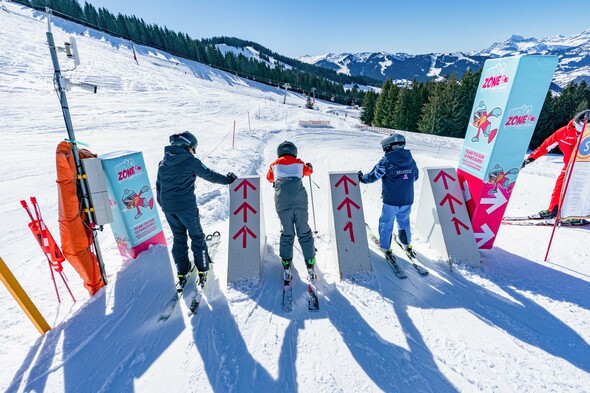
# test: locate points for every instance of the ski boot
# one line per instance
(287, 275)
(410, 251)
(182, 280)
(310, 264)
(548, 213)
(202, 278)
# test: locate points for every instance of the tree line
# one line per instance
(444, 107)
(301, 77)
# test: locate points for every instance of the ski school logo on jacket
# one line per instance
(126, 170)
(495, 77)
(520, 117)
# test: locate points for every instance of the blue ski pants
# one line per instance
(399, 214)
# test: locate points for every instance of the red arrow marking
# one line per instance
(245, 184)
(348, 227)
(345, 179)
(444, 176)
(348, 202)
(245, 231)
(245, 207)
(458, 223)
(449, 198)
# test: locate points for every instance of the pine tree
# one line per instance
(368, 111)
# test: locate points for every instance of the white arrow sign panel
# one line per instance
(247, 237)
(442, 216)
(349, 223)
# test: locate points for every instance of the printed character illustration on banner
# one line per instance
(123, 246)
(481, 121)
(498, 178)
(133, 200)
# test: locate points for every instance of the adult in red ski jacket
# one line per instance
(566, 138)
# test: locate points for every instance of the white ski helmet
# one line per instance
(393, 142)
(579, 119)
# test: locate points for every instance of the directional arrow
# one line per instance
(496, 201)
(458, 223)
(444, 176)
(245, 184)
(449, 198)
(245, 207)
(484, 236)
(245, 231)
(347, 201)
(345, 179)
(348, 227)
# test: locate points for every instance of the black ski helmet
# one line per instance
(285, 148)
(393, 142)
(184, 139)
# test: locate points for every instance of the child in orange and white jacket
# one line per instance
(291, 203)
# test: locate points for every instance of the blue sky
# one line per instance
(306, 27)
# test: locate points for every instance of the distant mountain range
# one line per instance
(573, 52)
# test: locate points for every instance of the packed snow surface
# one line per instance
(515, 324)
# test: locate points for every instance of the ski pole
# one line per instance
(315, 229)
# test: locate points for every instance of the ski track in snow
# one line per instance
(516, 324)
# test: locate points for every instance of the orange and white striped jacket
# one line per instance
(286, 173)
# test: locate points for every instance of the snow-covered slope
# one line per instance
(514, 325)
(573, 52)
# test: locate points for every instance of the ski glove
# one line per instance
(309, 165)
(231, 176)
(360, 175)
(527, 161)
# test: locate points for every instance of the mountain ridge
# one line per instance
(573, 52)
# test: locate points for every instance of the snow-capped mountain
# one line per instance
(573, 52)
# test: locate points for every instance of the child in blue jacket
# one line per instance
(398, 172)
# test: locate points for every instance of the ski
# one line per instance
(390, 258)
(412, 257)
(313, 303)
(535, 216)
(287, 299)
(174, 300)
(198, 294)
(212, 242)
(547, 223)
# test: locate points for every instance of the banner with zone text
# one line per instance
(575, 200)
(506, 108)
(136, 224)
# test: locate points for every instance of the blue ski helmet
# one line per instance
(287, 148)
(184, 139)
(393, 142)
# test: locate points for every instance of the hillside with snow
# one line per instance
(515, 324)
(573, 53)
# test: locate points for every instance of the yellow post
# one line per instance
(19, 294)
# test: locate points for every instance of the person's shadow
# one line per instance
(231, 360)
(114, 338)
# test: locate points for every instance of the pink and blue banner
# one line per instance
(507, 105)
(136, 224)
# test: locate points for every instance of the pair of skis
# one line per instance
(313, 302)
(392, 260)
(536, 220)
(200, 285)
